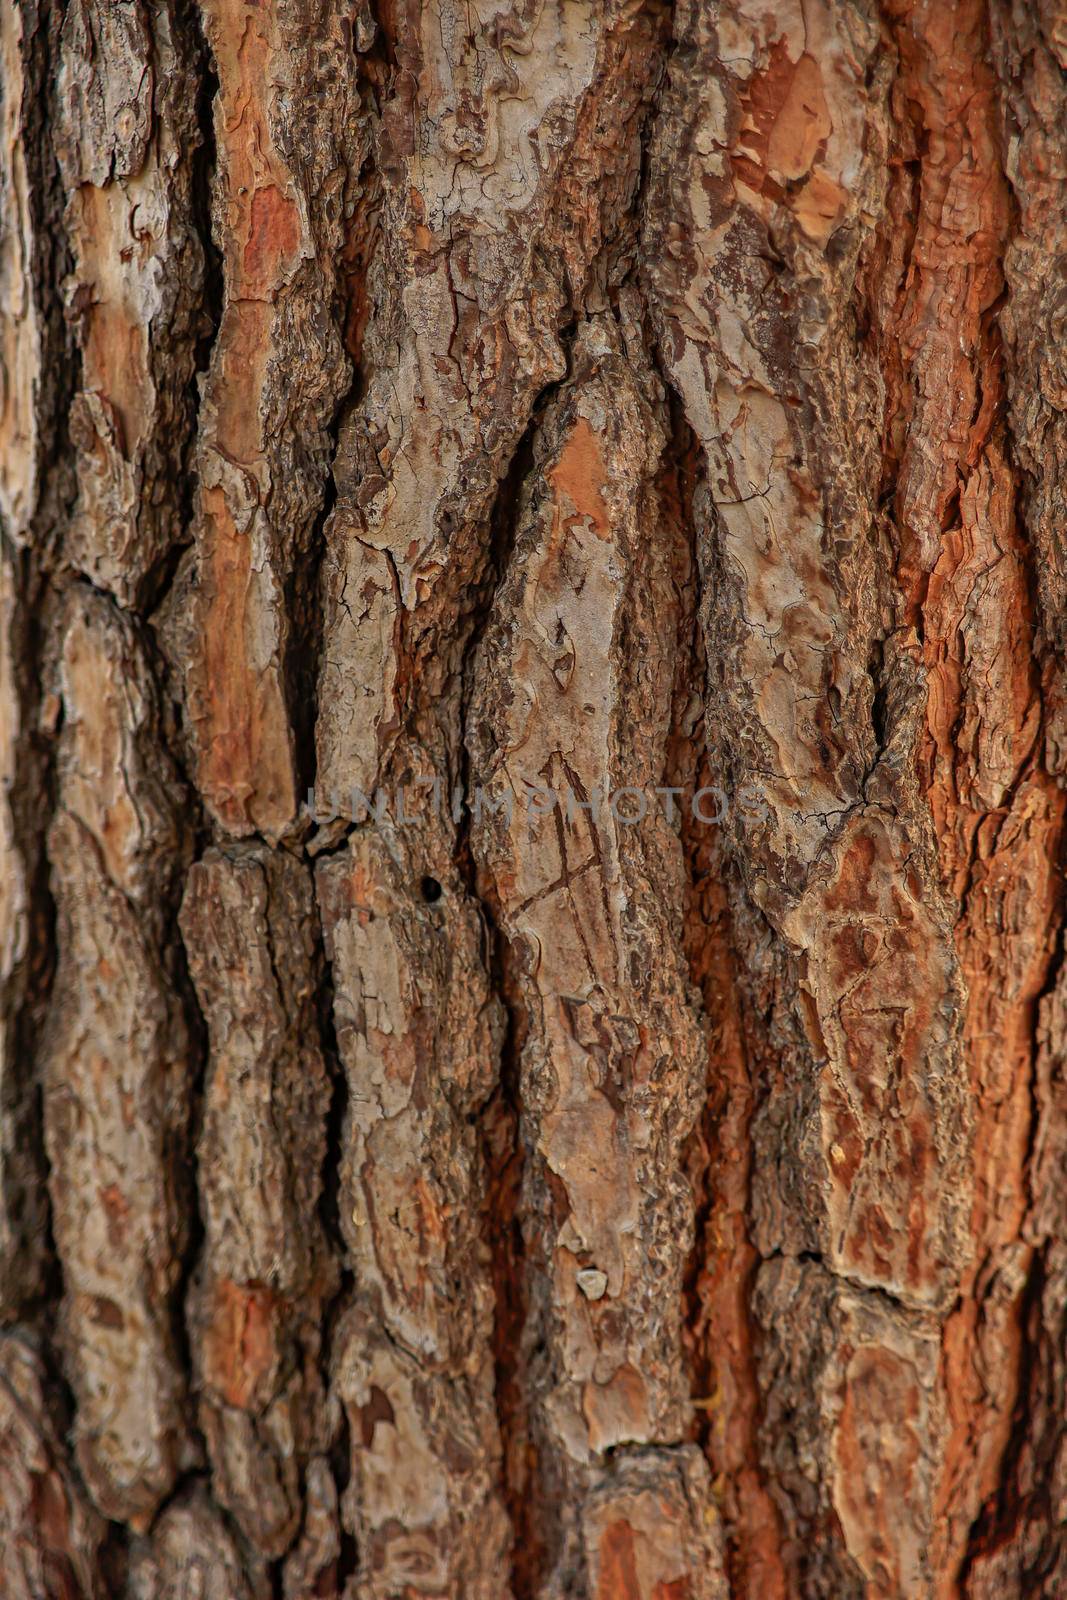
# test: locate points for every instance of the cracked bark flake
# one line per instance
(572, 1204)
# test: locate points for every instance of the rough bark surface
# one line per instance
(533, 753)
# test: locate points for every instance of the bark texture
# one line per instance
(533, 753)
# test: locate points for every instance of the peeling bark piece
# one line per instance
(642, 1541)
(284, 117)
(49, 1534)
(116, 1069)
(850, 1430)
(127, 92)
(418, 1032)
(888, 1143)
(256, 1311)
(193, 1556)
(572, 692)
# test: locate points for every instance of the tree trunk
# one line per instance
(533, 602)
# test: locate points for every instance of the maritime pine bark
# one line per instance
(533, 1027)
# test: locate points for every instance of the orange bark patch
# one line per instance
(264, 238)
(578, 476)
(877, 1445)
(240, 1351)
(273, 240)
(800, 124)
(246, 766)
(117, 1212)
(786, 124)
(243, 723)
(617, 1410)
(243, 351)
(618, 1564)
(624, 1560)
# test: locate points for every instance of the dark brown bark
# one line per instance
(531, 800)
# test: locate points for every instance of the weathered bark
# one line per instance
(532, 591)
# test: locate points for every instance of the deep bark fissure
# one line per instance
(720, 1336)
(60, 370)
(203, 165)
(304, 596)
(329, 1206)
(751, 1532)
(501, 1119)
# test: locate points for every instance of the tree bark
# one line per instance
(533, 740)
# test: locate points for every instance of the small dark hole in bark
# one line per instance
(431, 890)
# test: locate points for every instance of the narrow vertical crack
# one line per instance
(183, 1160)
(210, 300)
(60, 369)
(33, 798)
(340, 1455)
(501, 1119)
(307, 614)
(718, 1332)
(303, 590)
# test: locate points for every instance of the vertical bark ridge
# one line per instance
(114, 1056)
(288, 135)
(50, 1533)
(418, 1033)
(278, 371)
(601, 980)
(771, 144)
(264, 1274)
(116, 1059)
(127, 91)
(964, 561)
(720, 1330)
(1016, 1545)
(491, 264)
